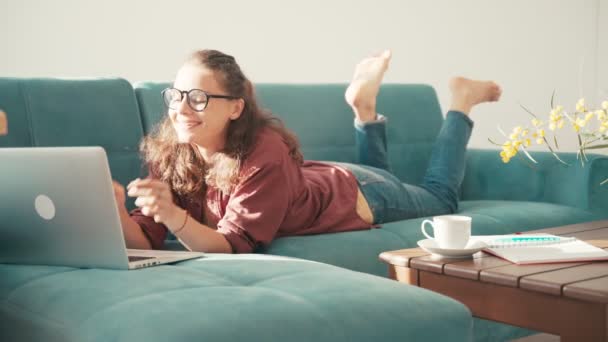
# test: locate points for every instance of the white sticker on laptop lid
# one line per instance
(44, 207)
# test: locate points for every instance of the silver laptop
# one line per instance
(57, 207)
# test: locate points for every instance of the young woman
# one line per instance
(227, 177)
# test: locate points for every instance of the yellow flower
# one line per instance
(580, 106)
(523, 136)
(516, 144)
(555, 115)
(508, 151)
(556, 118)
(578, 124)
(541, 133)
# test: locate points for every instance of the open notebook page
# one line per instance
(539, 251)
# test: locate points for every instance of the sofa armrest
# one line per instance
(487, 177)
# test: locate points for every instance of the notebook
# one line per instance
(541, 248)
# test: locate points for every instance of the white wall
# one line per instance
(529, 47)
(602, 56)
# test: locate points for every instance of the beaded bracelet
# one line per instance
(183, 225)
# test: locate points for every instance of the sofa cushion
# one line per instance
(576, 184)
(12, 101)
(75, 112)
(222, 298)
(413, 113)
(149, 99)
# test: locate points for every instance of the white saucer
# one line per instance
(471, 248)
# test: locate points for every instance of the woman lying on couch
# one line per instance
(226, 176)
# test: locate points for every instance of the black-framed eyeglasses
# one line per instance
(197, 99)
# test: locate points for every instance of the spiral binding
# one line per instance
(526, 241)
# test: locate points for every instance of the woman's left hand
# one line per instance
(3, 123)
(155, 200)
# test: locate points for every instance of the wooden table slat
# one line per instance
(598, 243)
(572, 228)
(510, 275)
(470, 268)
(432, 263)
(595, 290)
(402, 257)
(596, 234)
(552, 282)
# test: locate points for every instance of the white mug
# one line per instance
(451, 231)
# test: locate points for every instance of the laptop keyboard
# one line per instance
(138, 258)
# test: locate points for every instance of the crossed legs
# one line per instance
(437, 194)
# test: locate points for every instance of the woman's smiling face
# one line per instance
(205, 128)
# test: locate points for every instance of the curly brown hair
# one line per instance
(181, 166)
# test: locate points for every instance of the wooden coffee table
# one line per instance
(565, 299)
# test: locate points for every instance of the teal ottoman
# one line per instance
(222, 298)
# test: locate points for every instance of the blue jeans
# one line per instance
(389, 198)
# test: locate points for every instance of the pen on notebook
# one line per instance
(545, 238)
(529, 240)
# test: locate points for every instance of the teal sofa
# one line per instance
(324, 287)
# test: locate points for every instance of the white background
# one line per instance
(530, 47)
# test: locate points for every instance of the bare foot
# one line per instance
(467, 93)
(362, 91)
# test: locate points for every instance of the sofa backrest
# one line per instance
(75, 112)
(108, 113)
(323, 122)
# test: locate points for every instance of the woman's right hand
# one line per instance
(155, 199)
(134, 236)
